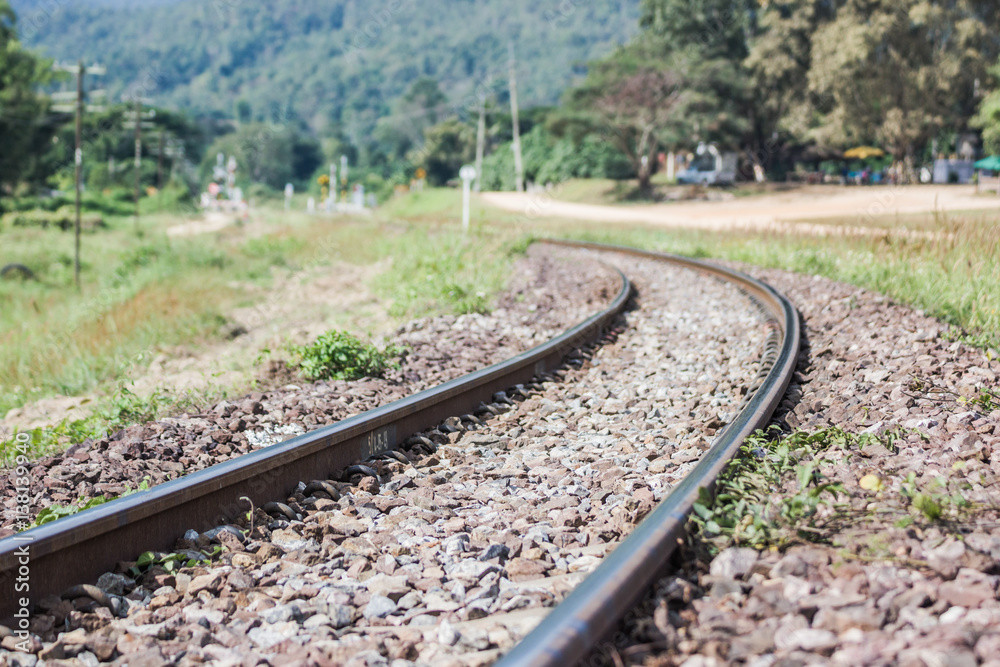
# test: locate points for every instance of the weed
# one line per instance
(172, 562)
(122, 409)
(989, 343)
(744, 510)
(936, 501)
(339, 355)
(986, 401)
(774, 495)
(56, 511)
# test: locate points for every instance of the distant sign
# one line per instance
(467, 173)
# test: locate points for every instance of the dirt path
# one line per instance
(782, 212)
(214, 221)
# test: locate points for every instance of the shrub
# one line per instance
(338, 355)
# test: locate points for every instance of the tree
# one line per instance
(897, 73)
(705, 42)
(402, 131)
(778, 64)
(988, 118)
(631, 101)
(24, 128)
(268, 154)
(447, 146)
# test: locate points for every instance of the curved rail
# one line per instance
(571, 630)
(84, 546)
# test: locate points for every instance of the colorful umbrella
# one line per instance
(991, 163)
(863, 152)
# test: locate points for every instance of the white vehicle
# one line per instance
(709, 167)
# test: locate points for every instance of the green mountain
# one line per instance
(329, 63)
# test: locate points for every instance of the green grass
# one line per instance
(145, 293)
(110, 414)
(952, 275)
(775, 494)
(439, 270)
(746, 511)
(437, 205)
(56, 511)
(953, 278)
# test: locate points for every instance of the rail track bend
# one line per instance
(80, 548)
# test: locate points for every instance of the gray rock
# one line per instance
(393, 588)
(214, 533)
(500, 551)
(114, 584)
(946, 559)
(447, 634)
(18, 659)
(340, 616)
(379, 607)
(733, 563)
(807, 639)
(284, 613)
(264, 637)
(316, 621)
(456, 544)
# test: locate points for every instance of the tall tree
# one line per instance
(705, 42)
(988, 118)
(422, 106)
(898, 72)
(23, 124)
(269, 154)
(633, 102)
(779, 110)
(447, 146)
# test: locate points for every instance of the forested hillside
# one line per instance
(329, 62)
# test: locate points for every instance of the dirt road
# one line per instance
(774, 212)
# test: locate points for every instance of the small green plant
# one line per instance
(57, 511)
(987, 342)
(120, 410)
(339, 355)
(986, 401)
(172, 562)
(934, 499)
(744, 510)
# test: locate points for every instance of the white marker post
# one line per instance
(467, 174)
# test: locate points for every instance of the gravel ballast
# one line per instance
(901, 568)
(438, 349)
(453, 553)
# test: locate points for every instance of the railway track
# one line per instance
(81, 548)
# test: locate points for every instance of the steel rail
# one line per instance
(53, 557)
(570, 631)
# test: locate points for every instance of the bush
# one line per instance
(338, 355)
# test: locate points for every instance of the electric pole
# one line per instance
(518, 164)
(480, 144)
(80, 70)
(141, 120)
(159, 161)
(138, 157)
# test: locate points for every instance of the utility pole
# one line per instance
(480, 144)
(518, 164)
(159, 161)
(80, 70)
(138, 157)
(141, 120)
